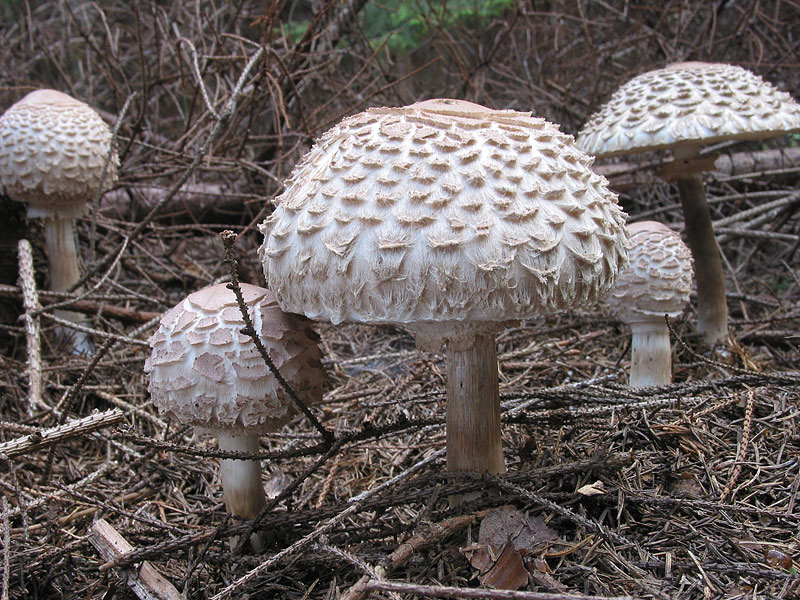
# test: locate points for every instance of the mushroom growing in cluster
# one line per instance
(205, 372)
(684, 107)
(450, 219)
(656, 282)
(55, 155)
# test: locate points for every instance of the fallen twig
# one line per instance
(146, 582)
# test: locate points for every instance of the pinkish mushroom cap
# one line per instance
(205, 372)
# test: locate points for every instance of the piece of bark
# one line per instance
(146, 582)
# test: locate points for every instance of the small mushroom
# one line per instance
(205, 372)
(450, 219)
(656, 282)
(684, 107)
(53, 149)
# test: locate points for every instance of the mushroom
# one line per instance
(53, 152)
(450, 219)
(684, 107)
(205, 372)
(656, 282)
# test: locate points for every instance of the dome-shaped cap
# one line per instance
(52, 151)
(442, 211)
(692, 102)
(205, 372)
(658, 278)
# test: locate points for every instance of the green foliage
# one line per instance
(403, 25)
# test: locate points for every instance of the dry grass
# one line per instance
(700, 478)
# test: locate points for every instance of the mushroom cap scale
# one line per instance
(688, 103)
(658, 278)
(205, 372)
(52, 152)
(442, 211)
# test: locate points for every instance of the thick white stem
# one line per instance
(62, 254)
(474, 441)
(241, 479)
(651, 355)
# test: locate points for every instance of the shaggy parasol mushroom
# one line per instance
(450, 219)
(53, 151)
(656, 282)
(684, 107)
(205, 372)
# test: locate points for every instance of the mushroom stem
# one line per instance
(712, 307)
(241, 479)
(651, 354)
(474, 440)
(62, 254)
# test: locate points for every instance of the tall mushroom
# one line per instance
(53, 152)
(656, 282)
(205, 372)
(450, 219)
(684, 107)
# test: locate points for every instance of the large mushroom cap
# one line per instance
(658, 278)
(694, 102)
(205, 372)
(52, 151)
(442, 211)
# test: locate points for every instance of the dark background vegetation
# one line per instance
(163, 73)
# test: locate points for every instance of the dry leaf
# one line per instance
(592, 489)
(508, 572)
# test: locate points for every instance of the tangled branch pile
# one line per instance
(683, 491)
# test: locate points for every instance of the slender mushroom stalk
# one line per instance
(205, 372)
(656, 282)
(684, 107)
(450, 219)
(53, 155)
(712, 306)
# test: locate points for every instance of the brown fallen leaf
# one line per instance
(506, 537)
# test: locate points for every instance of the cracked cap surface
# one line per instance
(658, 278)
(205, 372)
(692, 102)
(442, 211)
(52, 152)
